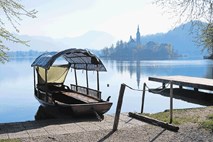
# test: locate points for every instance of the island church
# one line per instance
(137, 42)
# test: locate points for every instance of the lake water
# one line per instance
(18, 102)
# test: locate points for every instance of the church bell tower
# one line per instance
(138, 37)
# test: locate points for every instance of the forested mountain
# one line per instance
(135, 50)
(24, 54)
(175, 43)
(182, 40)
(178, 42)
(90, 40)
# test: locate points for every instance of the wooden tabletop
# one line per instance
(195, 82)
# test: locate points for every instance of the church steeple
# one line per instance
(138, 30)
(138, 37)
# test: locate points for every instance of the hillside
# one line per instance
(181, 40)
(90, 40)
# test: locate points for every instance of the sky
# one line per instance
(71, 18)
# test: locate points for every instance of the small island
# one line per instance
(135, 50)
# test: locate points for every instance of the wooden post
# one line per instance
(76, 81)
(196, 89)
(118, 108)
(34, 80)
(163, 86)
(98, 88)
(171, 102)
(46, 86)
(143, 97)
(87, 82)
(37, 78)
(153, 121)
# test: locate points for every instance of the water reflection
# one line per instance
(135, 73)
(131, 67)
(18, 102)
(44, 113)
(187, 95)
(196, 68)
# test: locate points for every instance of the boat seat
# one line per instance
(80, 97)
(52, 87)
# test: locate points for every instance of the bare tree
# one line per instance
(206, 38)
(192, 11)
(188, 10)
(11, 13)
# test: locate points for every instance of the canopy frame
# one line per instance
(78, 59)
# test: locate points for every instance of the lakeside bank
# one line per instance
(93, 130)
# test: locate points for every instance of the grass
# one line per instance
(208, 123)
(10, 140)
(185, 116)
(179, 117)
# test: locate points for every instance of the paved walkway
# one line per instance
(31, 129)
(90, 130)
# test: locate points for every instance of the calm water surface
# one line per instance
(18, 102)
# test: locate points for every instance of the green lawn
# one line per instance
(182, 116)
(10, 140)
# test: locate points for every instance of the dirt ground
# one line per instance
(146, 133)
(188, 132)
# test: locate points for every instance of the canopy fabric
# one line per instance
(78, 59)
(55, 74)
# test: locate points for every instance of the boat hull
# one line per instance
(79, 108)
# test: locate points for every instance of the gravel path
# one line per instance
(146, 133)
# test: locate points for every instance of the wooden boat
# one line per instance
(51, 91)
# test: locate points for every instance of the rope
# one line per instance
(159, 91)
(134, 89)
(151, 90)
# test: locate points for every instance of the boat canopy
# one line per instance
(56, 74)
(77, 58)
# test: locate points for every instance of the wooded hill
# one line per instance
(149, 51)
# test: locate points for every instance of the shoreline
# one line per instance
(92, 130)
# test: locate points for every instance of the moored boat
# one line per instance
(52, 92)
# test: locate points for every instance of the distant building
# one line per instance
(131, 43)
(138, 37)
(137, 42)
